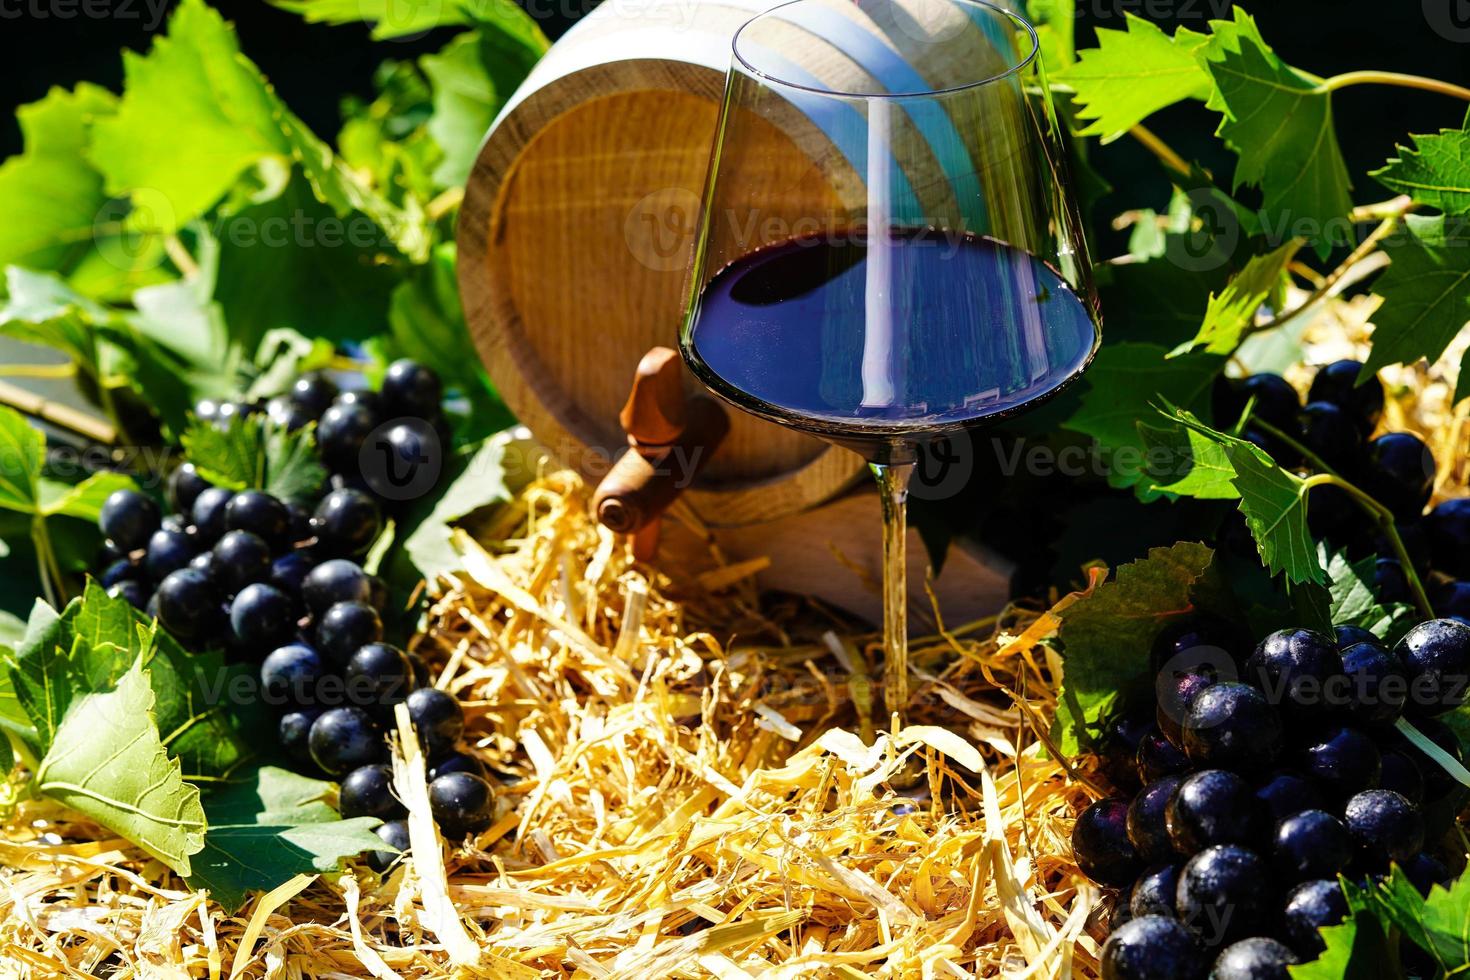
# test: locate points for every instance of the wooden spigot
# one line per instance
(670, 437)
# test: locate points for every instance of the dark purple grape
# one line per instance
(168, 551)
(288, 572)
(1337, 383)
(1436, 659)
(457, 762)
(343, 739)
(1402, 774)
(437, 718)
(365, 397)
(1341, 759)
(128, 519)
(284, 412)
(260, 514)
(184, 487)
(1175, 695)
(203, 563)
(333, 581)
(1158, 757)
(1214, 807)
(378, 676)
(1100, 844)
(1118, 749)
(1152, 947)
(1425, 871)
(1220, 894)
(241, 559)
(1311, 844)
(1311, 906)
(188, 605)
(346, 522)
(345, 628)
(1390, 584)
(341, 433)
(1295, 666)
(1332, 435)
(460, 803)
(208, 514)
(1452, 600)
(1385, 827)
(1153, 892)
(409, 461)
(1257, 958)
(395, 834)
(1285, 793)
(1399, 473)
(262, 617)
(313, 392)
(1449, 533)
(294, 732)
(367, 791)
(411, 389)
(290, 674)
(1231, 726)
(120, 570)
(1348, 635)
(130, 590)
(1148, 829)
(1375, 683)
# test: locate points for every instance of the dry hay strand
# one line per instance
(688, 784)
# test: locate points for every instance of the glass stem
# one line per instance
(893, 491)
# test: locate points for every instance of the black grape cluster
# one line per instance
(276, 584)
(1257, 776)
(1397, 469)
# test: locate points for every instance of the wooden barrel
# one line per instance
(578, 223)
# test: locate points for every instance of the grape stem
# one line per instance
(1394, 78)
(1426, 745)
(1384, 518)
(1165, 153)
(55, 413)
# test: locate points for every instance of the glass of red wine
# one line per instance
(889, 251)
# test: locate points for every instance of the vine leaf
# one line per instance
(1426, 294)
(1353, 601)
(1187, 464)
(23, 487)
(108, 763)
(1273, 501)
(255, 452)
(1280, 125)
(1435, 923)
(1435, 172)
(269, 826)
(1232, 311)
(1134, 73)
(1356, 950)
(1106, 635)
(390, 18)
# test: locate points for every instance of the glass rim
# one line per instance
(1014, 69)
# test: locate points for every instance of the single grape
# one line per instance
(261, 515)
(290, 674)
(460, 803)
(1337, 383)
(395, 834)
(365, 397)
(240, 559)
(1452, 601)
(1118, 748)
(128, 519)
(1449, 527)
(1257, 958)
(1153, 892)
(120, 570)
(285, 412)
(1214, 807)
(1399, 473)
(1331, 434)
(294, 732)
(1375, 683)
(1231, 726)
(1220, 894)
(1343, 760)
(1197, 643)
(288, 572)
(1385, 826)
(1148, 830)
(1436, 659)
(1152, 947)
(1425, 871)
(208, 514)
(377, 677)
(1175, 694)
(1100, 844)
(412, 458)
(188, 605)
(130, 590)
(1158, 757)
(1285, 793)
(262, 616)
(1311, 844)
(346, 523)
(367, 791)
(1401, 774)
(341, 433)
(184, 487)
(1311, 906)
(1348, 635)
(333, 581)
(168, 551)
(314, 393)
(1390, 584)
(411, 389)
(457, 762)
(437, 718)
(343, 739)
(203, 563)
(1295, 666)
(345, 628)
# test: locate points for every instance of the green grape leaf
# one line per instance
(1357, 949)
(1435, 172)
(269, 826)
(390, 18)
(1232, 311)
(80, 500)
(22, 453)
(1436, 924)
(1279, 123)
(1106, 636)
(1186, 464)
(1354, 601)
(1056, 31)
(1273, 501)
(1120, 388)
(1134, 73)
(256, 452)
(108, 763)
(1426, 293)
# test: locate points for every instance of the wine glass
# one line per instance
(888, 251)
